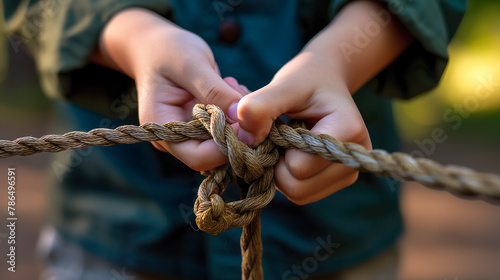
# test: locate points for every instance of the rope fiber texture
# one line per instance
(256, 167)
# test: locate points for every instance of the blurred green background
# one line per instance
(474, 68)
(446, 237)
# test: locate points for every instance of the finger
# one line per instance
(245, 90)
(231, 116)
(258, 110)
(207, 86)
(156, 107)
(303, 165)
(344, 123)
(303, 191)
(198, 155)
(233, 83)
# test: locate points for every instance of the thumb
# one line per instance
(209, 88)
(258, 110)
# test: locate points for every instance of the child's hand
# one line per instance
(173, 70)
(316, 87)
(308, 89)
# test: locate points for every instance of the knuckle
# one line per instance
(357, 129)
(196, 165)
(295, 194)
(159, 147)
(299, 201)
(351, 179)
(250, 110)
(299, 171)
(212, 94)
(302, 165)
(358, 132)
(298, 198)
(301, 195)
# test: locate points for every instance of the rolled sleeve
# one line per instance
(63, 34)
(420, 67)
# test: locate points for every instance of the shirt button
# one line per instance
(229, 30)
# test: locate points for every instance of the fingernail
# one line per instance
(246, 137)
(244, 88)
(232, 113)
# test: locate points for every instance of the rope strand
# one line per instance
(256, 167)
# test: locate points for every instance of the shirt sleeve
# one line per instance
(420, 67)
(63, 34)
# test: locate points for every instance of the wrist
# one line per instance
(126, 41)
(332, 69)
(339, 42)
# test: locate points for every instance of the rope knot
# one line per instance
(215, 216)
(255, 166)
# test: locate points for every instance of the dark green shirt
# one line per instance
(131, 204)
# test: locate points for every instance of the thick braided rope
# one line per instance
(255, 166)
(127, 134)
(397, 165)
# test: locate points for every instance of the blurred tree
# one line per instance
(3, 48)
(21, 98)
(467, 100)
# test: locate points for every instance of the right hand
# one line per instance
(173, 69)
(310, 87)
